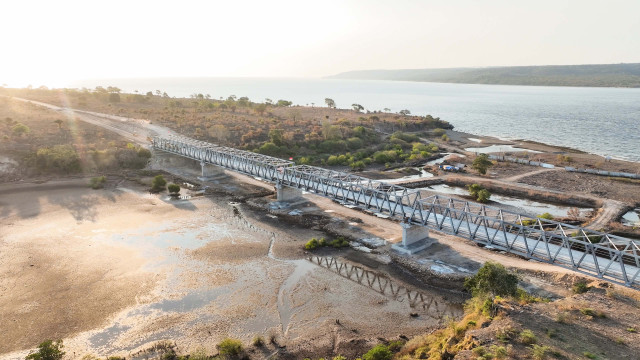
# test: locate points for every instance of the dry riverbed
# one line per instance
(112, 271)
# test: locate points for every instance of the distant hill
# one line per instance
(613, 75)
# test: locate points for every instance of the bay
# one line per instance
(603, 121)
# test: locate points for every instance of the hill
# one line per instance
(611, 75)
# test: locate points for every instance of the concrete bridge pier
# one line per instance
(285, 193)
(415, 238)
(209, 171)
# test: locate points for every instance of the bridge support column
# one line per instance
(209, 171)
(285, 193)
(415, 238)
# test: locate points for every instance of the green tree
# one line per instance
(357, 107)
(276, 136)
(59, 123)
(492, 279)
(330, 103)
(48, 350)
(481, 163)
(405, 112)
(483, 196)
(174, 189)
(158, 184)
(284, 103)
(379, 352)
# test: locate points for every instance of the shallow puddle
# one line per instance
(499, 149)
(631, 218)
(529, 207)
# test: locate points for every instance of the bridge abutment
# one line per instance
(209, 171)
(415, 238)
(285, 193)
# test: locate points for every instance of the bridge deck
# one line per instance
(605, 256)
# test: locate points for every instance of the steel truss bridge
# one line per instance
(605, 256)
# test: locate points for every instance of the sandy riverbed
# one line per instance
(112, 271)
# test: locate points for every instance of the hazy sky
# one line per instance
(50, 42)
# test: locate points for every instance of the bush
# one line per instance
(174, 189)
(258, 341)
(158, 184)
(539, 352)
(19, 129)
(546, 216)
(379, 352)
(481, 194)
(60, 158)
(230, 348)
(339, 242)
(589, 355)
(580, 287)
(528, 337)
(492, 279)
(311, 244)
(97, 182)
(48, 350)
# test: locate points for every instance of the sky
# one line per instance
(55, 42)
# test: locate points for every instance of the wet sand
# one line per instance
(113, 271)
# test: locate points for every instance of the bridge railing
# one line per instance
(603, 255)
(607, 256)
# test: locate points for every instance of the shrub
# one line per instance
(528, 337)
(539, 352)
(174, 188)
(199, 354)
(395, 346)
(258, 341)
(593, 313)
(580, 287)
(493, 279)
(19, 129)
(311, 244)
(230, 348)
(379, 352)
(97, 182)
(60, 158)
(339, 242)
(48, 350)
(158, 184)
(562, 317)
(481, 194)
(500, 352)
(589, 355)
(339, 357)
(546, 216)
(632, 330)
